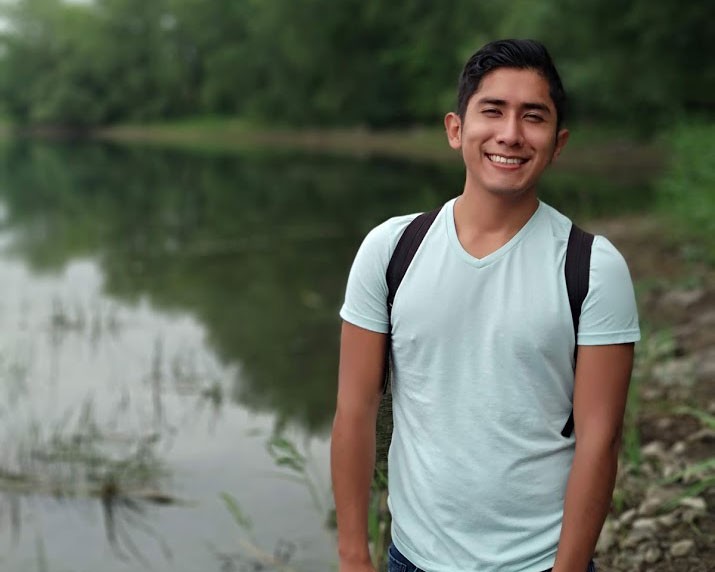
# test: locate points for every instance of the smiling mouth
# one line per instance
(501, 159)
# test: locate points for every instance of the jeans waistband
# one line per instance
(401, 563)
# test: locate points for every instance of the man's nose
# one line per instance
(510, 132)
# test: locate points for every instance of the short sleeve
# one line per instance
(366, 293)
(609, 314)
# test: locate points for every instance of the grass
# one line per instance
(294, 463)
(285, 455)
(590, 148)
(694, 478)
(251, 554)
(123, 473)
(655, 347)
(379, 522)
(98, 320)
(697, 477)
(83, 461)
(230, 134)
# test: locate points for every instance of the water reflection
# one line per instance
(119, 407)
(256, 247)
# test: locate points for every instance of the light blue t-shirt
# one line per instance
(483, 385)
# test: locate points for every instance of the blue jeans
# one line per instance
(397, 562)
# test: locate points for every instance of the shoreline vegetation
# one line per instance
(589, 150)
(671, 160)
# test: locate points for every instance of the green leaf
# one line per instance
(705, 418)
(238, 515)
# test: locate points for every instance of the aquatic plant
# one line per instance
(294, 463)
(80, 460)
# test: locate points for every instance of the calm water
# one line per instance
(168, 347)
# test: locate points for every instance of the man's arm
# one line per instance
(600, 392)
(352, 454)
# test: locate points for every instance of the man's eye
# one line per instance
(490, 111)
(535, 118)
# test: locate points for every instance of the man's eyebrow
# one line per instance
(491, 101)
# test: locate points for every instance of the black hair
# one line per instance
(520, 54)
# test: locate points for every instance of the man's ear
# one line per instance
(453, 126)
(562, 138)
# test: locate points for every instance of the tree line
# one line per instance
(338, 62)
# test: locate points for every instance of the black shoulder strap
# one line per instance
(405, 251)
(577, 269)
(400, 261)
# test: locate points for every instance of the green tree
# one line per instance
(644, 63)
(43, 79)
(338, 62)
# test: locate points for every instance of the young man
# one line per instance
(482, 342)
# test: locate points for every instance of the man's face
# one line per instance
(508, 135)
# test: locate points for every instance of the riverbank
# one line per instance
(663, 515)
(590, 149)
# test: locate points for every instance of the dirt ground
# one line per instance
(663, 519)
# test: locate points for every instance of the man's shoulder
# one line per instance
(606, 257)
(602, 250)
(558, 222)
(385, 235)
(395, 224)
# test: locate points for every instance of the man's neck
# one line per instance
(487, 221)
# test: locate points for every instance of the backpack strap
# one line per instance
(400, 261)
(405, 251)
(577, 270)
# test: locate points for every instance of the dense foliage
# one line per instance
(685, 192)
(337, 62)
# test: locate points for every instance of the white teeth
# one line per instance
(506, 160)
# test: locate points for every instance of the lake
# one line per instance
(169, 340)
